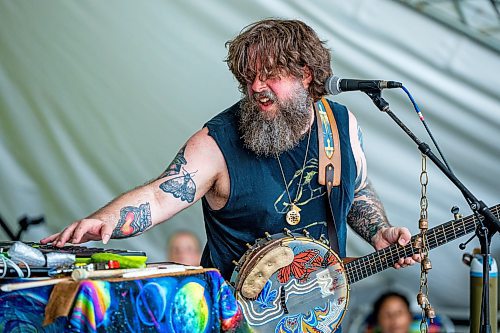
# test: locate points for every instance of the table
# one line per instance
(191, 301)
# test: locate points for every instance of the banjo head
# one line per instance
(291, 284)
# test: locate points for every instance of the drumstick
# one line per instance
(82, 274)
(32, 284)
(77, 275)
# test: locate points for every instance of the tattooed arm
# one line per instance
(196, 169)
(367, 217)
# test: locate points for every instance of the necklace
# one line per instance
(293, 214)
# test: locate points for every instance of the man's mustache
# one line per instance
(265, 94)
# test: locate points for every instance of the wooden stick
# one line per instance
(31, 284)
(82, 274)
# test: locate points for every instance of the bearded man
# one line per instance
(258, 160)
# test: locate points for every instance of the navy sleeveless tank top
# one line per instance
(258, 200)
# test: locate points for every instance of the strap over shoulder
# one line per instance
(329, 171)
(329, 145)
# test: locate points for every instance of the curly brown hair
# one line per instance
(280, 47)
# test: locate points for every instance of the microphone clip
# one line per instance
(376, 96)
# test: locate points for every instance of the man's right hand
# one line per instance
(80, 232)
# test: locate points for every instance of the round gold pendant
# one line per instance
(293, 215)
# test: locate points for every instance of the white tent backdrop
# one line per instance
(97, 97)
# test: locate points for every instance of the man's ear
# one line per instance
(307, 77)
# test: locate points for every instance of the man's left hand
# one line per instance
(392, 235)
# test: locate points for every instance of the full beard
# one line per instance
(272, 135)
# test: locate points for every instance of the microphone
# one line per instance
(335, 85)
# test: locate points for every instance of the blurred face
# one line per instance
(394, 316)
(275, 113)
(269, 93)
(184, 249)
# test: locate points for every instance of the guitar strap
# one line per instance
(329, 161)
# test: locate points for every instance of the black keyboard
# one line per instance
(78, 250)
(83, 255)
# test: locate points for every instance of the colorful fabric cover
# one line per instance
(201, 302)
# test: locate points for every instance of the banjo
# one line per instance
(293, 283)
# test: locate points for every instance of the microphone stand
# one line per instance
(490, 223)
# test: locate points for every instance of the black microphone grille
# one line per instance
(332, 85)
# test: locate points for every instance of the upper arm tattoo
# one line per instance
(182, 187)
(133, 221)
(367, 214)
(175, 166)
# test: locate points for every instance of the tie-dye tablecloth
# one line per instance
(200, 302)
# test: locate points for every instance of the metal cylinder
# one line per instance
(476, 290)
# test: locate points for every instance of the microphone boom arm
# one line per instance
(476, 205)
(489, 224)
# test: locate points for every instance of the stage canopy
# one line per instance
(97, 97)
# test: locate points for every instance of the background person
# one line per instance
(392, 313)
(184, 247)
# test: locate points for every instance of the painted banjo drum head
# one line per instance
(308, 294)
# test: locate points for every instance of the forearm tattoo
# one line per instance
(367, 214)
(133, 221)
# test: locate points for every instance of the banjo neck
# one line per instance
(378, 261)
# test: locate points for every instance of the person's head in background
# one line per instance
(184, 248)
(392, 313)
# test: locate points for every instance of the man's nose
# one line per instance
(258, 85)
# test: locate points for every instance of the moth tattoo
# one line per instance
(182, 187)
